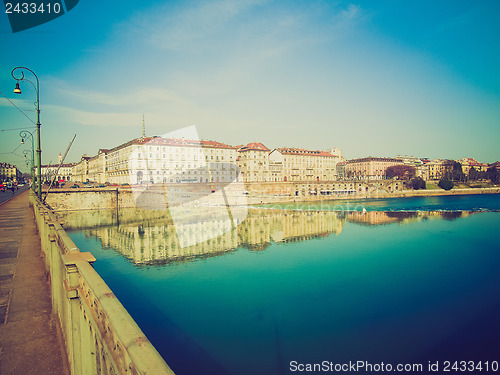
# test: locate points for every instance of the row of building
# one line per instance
(373, 168)
(9, 172)
(156, 160)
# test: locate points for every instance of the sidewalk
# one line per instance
(29, 338)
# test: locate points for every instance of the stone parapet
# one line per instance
(99, 334)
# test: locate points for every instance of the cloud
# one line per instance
(139, 96)
(352, 13)
(243, 58)
(72, 115)
(18, 102)
(200, 50)
(191, 25)
(227, 26)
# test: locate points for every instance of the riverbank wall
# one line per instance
(116, 198)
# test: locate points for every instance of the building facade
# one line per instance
(370, 168)
(253, 162)
(9, 172)
(81, 169)
(65, 172)
(438, 169)
(152, 160)
(469, 163)
(295, 164)
(97, 167)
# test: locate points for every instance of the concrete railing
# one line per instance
(99, 334)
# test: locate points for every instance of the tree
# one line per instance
(493, 174)
(401, 172)
(456, 173)
(417, 183)
(474, 175)
(446, 184)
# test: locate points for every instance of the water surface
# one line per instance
(477, 202)
(397, 287)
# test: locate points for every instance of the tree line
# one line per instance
(453, 173)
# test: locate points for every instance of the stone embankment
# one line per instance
(115, 198)
(267, 199)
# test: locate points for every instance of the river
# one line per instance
(405, 281)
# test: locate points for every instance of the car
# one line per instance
(2, 188)
(101, 185)
(88, 186)
(75, 186)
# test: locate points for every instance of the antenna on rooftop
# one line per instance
(143, 127)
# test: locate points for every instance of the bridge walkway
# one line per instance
(30, 338)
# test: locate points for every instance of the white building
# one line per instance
(370, 168)
(295, 164)
(97, 167)
(65, 172)
(81, 169)
(253, 161)
(155, 160)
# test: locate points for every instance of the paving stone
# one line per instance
(29, 341)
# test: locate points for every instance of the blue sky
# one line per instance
(375, 78)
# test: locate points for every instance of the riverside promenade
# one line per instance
(30, 340)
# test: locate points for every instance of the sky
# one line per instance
(374, 78)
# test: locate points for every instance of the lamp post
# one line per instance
(25, 134)
(17, 90)
(32, 168)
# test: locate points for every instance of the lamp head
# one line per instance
(17, 90)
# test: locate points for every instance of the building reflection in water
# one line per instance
(402, 217)
(148, 237)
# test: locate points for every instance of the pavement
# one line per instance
(7, 194)
(30, 337)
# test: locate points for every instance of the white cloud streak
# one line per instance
(190, 26)
(136, 96)
(80, 117)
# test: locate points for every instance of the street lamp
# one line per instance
(17, 90)
(32, 161)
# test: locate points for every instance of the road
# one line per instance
(4, 196)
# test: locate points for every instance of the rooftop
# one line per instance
(300, 151)
(254, 146)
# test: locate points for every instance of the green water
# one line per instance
(311, 287)
(477, 202)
